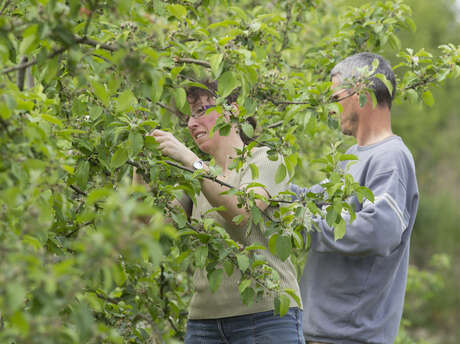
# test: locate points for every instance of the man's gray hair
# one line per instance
(347, 69)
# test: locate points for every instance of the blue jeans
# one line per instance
(256, 328)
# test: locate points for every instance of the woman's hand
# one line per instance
(172, 147)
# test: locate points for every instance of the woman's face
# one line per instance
(201, 123)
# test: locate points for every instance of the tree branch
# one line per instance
(275, 125)
(204, 175)
(286, 27)
(421, 82)
(91, 42)
(112, 300)
(139, 170)
(90, 16)
(78, 40)
(192, 61)
(214, 179)
(282, 102)
(78, 191)
(179, 114)
(279, 102)
(96, 44)
(68, 235)
(34, 61)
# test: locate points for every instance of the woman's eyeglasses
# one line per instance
(202, 110)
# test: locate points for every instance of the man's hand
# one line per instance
(172, 147)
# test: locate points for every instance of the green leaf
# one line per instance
(119, 275)
(347, 157)
(280, 245)
(15, 296)
(119, 158)
(98, 194)
(224, 130)
(340, 230)
(243, 262)
(428, 98)
(292, 293)
(331, 216)
(228, 267)
(254, 171)
(284, 304)
(238, 219)
(248, 295)
(201, 255)
(179, 218)
(291, 162)
(256, 216)
(5, 111)
(410, 22)
(394, 41)
(100, 92)
(244, 284)
(385, 81)
(215, 278)
(126, 100)
(216, 64)
(150, 143)
(82, 174)
(248, 129)
(28, 44)
(177, 11)
(280, 174)
(19, 322)
(180, 97)
(362, 99)
(375, 64)
(255, 246)
(52, 119)
(366, 192)
(50, 69)
(83, 318)
(374, 99)
(272, 243)
(227, 83)
(412, 96)
(135, 143)
(32, 241)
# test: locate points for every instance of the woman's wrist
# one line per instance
(190, 160)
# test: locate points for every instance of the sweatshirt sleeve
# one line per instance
(378, 227)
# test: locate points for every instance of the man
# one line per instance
(353, 288)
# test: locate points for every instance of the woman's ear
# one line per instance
(235, 109)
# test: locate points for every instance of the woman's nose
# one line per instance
(192, 122)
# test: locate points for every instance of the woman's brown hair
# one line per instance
(194, 92)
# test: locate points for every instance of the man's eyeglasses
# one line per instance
(202, 110)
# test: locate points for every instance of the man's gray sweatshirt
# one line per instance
(353, 288)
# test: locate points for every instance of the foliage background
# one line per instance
(76, 263)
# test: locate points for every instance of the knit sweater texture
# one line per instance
(226, 301)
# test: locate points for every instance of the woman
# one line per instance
(221, 317)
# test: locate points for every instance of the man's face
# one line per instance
(349, 117)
